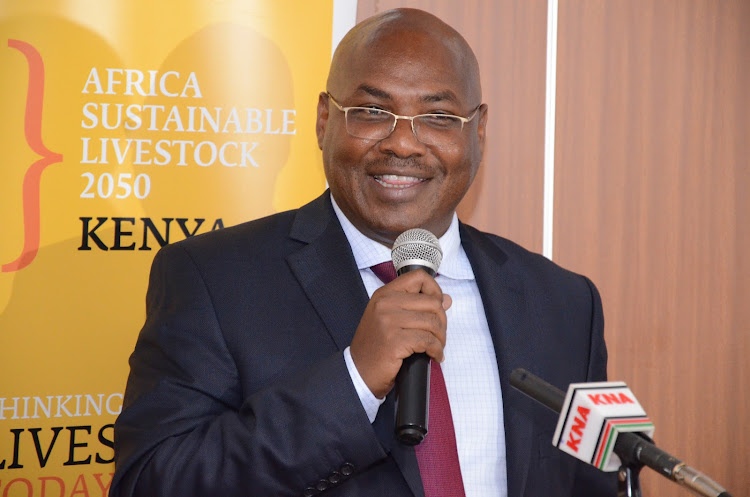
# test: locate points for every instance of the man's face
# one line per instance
(388, 186)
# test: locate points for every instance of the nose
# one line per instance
(402, 142)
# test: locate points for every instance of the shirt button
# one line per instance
(347, 469)
(322, 485)
(335, 478)
(310, 491)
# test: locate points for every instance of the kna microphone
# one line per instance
(602, 424)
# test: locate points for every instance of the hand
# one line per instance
(404, 317)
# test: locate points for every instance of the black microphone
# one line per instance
(414, 249)
(634, 447)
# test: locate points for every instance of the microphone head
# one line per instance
(417, 247)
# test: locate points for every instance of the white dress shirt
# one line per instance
(470, 366)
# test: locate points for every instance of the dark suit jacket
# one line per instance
(238, 386)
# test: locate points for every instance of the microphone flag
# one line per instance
(591, 418)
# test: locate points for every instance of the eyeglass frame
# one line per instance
(345, 110)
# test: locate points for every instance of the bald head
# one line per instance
(405, 63)
(410, 34)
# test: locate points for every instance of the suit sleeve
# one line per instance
(185, 428)
(589, 481)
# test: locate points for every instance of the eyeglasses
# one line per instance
(377, 124)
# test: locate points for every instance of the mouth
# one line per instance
(396, 181)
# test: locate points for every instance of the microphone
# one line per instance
(414, 249)
(629, 446)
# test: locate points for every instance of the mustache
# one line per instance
(410, 164)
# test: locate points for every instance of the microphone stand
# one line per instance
(628, 483)
(628, 476)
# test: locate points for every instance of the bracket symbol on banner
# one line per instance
(592, 416)
(33, 176)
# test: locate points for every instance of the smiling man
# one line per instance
(267, 361)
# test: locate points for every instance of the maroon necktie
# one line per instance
(437, 454)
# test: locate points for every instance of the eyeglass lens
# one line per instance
(376, 124)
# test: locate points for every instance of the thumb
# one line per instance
(447, 301)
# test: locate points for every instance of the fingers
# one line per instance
(415, 302)
(420, 282)
(431, 321)
(416, 282)
(418, 340)
(404, 317)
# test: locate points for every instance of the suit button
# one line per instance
(322, 485)
(310, 491)
(335, 478)
(347, 469)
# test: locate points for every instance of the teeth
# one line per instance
(395, 181)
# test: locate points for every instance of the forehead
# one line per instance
(409, 65)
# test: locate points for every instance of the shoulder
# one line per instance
(235, 249)
(512, 260)
(266, 238)
(259, 233)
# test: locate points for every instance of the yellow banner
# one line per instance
(125, 126)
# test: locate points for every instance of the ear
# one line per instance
(320, 123)
(482, 128)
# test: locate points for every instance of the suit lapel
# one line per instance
(509, 323)
(326, 270)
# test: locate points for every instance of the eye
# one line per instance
(374, 110)
(440, 120)
(368, 114)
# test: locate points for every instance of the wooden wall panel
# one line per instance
(509, 39)
(651, 201)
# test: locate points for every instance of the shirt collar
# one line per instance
(367, 252)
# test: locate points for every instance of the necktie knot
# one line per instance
(385, 271)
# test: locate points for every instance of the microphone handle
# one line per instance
(413, 389)
(538, 389)
(413, 399)
(637, 447)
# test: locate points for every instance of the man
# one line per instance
(264, 369)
